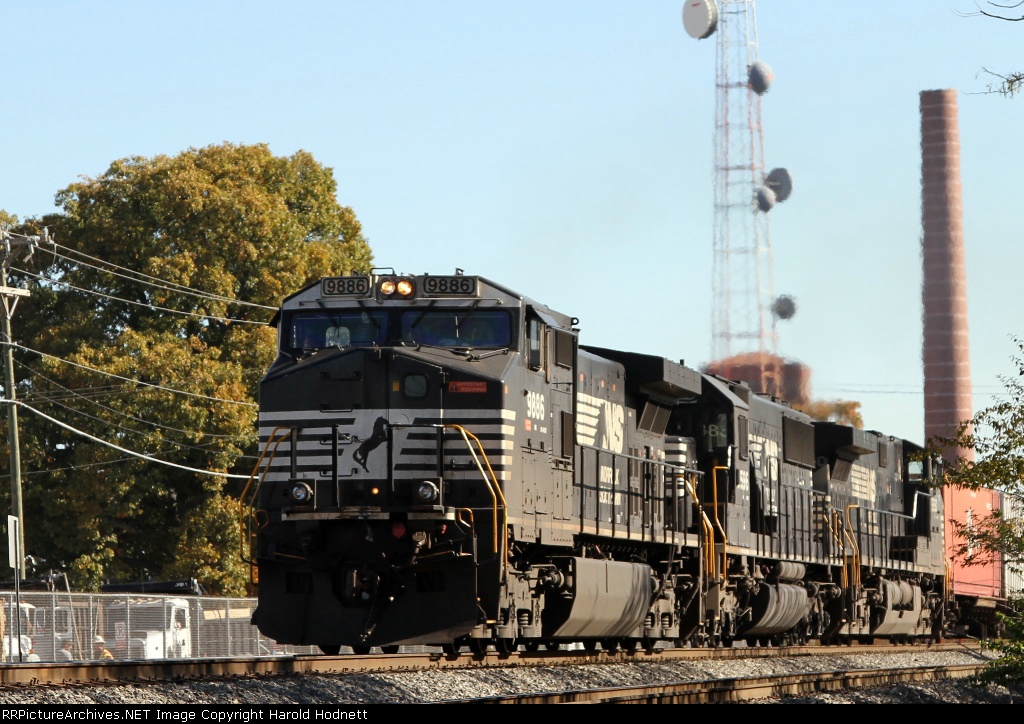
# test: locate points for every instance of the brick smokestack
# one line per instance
(946, 354)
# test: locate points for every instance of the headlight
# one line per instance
(387, 287)
(300, 493)
(404, 288)
(426, 492)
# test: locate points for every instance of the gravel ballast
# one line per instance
(442, 685)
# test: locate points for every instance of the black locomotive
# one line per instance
(443, 463)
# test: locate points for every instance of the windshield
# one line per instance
(317, 330)
(457, 328)
(311, 330)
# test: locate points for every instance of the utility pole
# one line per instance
(10, 297)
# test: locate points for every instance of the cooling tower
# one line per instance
(946, 354)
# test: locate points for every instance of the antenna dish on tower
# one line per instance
(765, 198)
(700, 18)
(759, 77)
(781, 182)
(784, 307)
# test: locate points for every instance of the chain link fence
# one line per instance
(55, 626)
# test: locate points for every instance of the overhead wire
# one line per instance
(164, 286)
(161, 283)
(133, 453)
(73, 394)
(129, 379)
(112, 461)
(148, 305)
(82, 413)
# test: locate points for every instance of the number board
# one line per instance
(345, 286)
(458, 286)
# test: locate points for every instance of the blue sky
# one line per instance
(564, 149)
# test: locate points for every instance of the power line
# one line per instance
(19, 403)
(73, 467)
(129, 379)
(148, 305)
(73, 393)
(162, 283)
(69, 408)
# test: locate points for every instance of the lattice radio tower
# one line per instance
(744, 306)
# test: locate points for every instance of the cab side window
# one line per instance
(535, 336)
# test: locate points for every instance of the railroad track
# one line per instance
(150, 671)
(740, 689)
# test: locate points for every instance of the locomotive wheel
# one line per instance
(531, 645)
(648, 645)
(629, 645)
(505, 646)
(360, 650)
(590, 646)
(478, 646)
(611, 645)
(392, 649)
(330, 649)
(450, 649)
(553, 645)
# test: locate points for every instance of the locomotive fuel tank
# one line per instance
(589, 598)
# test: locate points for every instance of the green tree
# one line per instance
(234, 221)
(995, 438)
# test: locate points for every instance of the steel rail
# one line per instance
(157, 670)
(722, 691)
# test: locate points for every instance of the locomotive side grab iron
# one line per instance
(442, 462)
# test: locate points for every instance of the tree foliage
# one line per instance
(994, 439)
(181, 368)
(843, 412)
(992, 458)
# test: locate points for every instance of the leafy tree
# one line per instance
(182, 368)
(843, 412)
(1008, 668)
(995, 439)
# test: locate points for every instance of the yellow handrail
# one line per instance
(725, 541)
(853, 543)
(495, 490)
(273, 442)
(838, 534)
(709, 533)
(245, 521)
